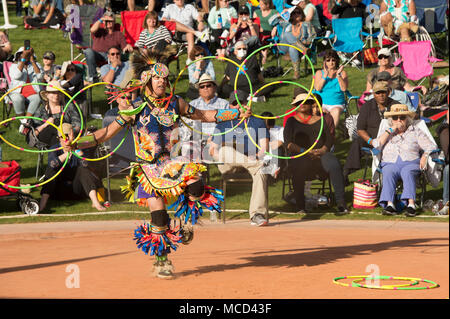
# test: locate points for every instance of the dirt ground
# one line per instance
(289, 259)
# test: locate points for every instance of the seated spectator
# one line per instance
(208, 100)
(71, 80)
(252, 69)
(237, 152)
(103, 38)
(399, 18)
(185, 14)
(219, 20)
(311, 14)
(300, 132)
(331, 83)
(5, 46)
(51, 112)
(244, 30)
(265, 13)
(397, 95)
(398, 78)
(442, 132)
(368, 123)
(75, 182)
(197, 70)
(25, 69)
(45, 15)
(300, 34)
(405, 150)
(114, 71)
(154, 33)
(49, 67)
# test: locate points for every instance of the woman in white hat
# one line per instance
(51, 111)
(386, 63)
(402, 145)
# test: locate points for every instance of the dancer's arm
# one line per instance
(212, 115)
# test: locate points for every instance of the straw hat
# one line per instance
(301, 98)
(50, 88)
(128, 76)
(205, 78)
(399, 109)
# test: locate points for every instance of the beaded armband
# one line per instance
(86, 142)
(226, 115)
(190, 111)
(121, 121)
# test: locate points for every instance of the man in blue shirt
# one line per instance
(237, 152)
(114, 71)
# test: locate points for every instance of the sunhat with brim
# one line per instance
(301, 98)
(64, 67)
(66, 128)
(128, 76)
(50, 88)
(399, 109)
(205, 78)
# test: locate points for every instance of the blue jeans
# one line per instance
(91, 60)
(407, 171)
(289, 38)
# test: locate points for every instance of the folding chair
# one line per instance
(348, 36)
(432, 16)
(5, 81)
(416, 60)
(78, 26)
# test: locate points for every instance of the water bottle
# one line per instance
(213, 216)
(219, 20)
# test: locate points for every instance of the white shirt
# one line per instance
(185, 15)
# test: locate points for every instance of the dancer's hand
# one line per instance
(245, 114)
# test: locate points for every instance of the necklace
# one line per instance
(303, 120)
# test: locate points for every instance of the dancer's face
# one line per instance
(159, 85)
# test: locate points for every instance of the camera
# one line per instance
(244, 19)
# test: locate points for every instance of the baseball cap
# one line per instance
(384, 76)
(380, 86)
(241, 95)
(49, 55)
(384, 51)
(244, 9)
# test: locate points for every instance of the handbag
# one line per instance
(364, 194)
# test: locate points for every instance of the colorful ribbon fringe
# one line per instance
(211, 199)
(148, 239)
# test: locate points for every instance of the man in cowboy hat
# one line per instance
(405, 152)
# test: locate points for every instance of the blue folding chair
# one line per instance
(348, 36)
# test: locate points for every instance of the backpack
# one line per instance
(273, 72)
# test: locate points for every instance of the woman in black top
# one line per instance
(349, 9)
(300, 132)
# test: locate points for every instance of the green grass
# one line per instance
(237, 196)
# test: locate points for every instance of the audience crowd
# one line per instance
(235, 29)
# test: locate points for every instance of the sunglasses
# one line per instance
(399, 117)
(205, 86)
(70, 70)
(328, 60)
(383, 57)
(115, 54)
(199, 54)
(380, 92)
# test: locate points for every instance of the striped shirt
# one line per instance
(147, 40)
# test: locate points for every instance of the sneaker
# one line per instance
(390, 210)
(342, 210)
(258, 220)
(410, 211)
(56, 26)
(443, 211)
